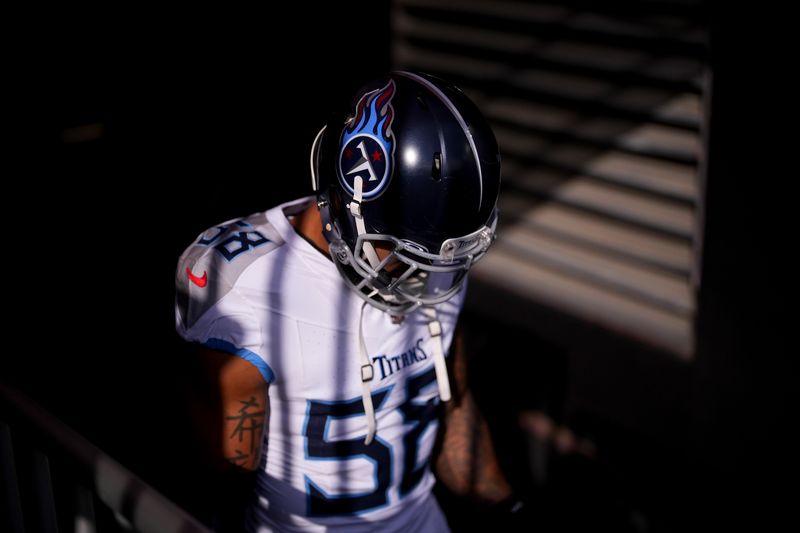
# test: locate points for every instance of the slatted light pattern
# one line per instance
(598, 112)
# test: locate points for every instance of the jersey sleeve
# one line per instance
(209, 310)
(229, 326)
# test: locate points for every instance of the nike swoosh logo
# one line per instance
(200, 281)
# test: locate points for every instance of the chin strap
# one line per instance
(355, 210)
(435, 329)
(367, 373)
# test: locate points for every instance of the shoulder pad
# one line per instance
(208, 269)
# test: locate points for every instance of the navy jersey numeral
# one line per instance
(422, 414)
(237, 243)
(319, 447)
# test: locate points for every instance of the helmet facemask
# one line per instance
(407, 276)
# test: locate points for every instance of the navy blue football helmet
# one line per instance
(407, 186)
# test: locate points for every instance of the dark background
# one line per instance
(206, 115)
(210, 115)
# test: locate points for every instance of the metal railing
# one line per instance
(53, 479)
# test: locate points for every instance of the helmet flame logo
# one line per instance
(367, 145)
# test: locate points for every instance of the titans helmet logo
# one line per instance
(367, 145)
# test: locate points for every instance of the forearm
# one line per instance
(231, 411)
(467, 464)
(234, 411)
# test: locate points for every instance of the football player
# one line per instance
(328, 319)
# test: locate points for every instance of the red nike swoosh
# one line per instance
(200, 281)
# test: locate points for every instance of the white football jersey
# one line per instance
(255, 288)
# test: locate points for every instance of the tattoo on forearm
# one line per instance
(467, 463)
(249, 421)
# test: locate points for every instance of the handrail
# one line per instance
(146, 509)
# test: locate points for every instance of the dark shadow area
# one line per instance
(744, 381)
(148, 129)
(586, 470)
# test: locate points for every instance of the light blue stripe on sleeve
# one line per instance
(247, 355)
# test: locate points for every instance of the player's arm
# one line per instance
(231, 413)
(236, 409)
(467, 464)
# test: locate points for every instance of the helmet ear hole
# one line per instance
(436, 168)
(335, 199)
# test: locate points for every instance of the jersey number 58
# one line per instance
(319, 447)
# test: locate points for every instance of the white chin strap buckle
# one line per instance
(367, 373)
(435, 329)
(355, 208)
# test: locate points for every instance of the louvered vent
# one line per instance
(598, 113)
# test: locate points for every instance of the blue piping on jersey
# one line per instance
(247, 355)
